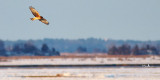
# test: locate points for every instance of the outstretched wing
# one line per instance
(44, 21)
(34, 11)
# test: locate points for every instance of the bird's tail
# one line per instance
(32, 19)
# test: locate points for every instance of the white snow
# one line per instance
(95, 60)
(81, 74)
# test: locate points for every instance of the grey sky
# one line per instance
(73, 19)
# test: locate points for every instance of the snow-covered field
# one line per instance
(80, 74)
(93, 60)
(85, 73)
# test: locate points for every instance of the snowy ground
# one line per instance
(80, 74)
(89, 73)
(94, 60)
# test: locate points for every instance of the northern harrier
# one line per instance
(37, 16)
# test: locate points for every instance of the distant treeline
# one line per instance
(26, 49)
(136, 50)
(51, 47)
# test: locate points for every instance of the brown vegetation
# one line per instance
(74, 55)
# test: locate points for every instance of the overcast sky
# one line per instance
(74, 19)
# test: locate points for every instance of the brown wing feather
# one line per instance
(34, 11)
(44, 21)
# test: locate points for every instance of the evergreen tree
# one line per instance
(45, 48)
(135, 50)
(2, 49)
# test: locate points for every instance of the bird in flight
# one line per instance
(37, 16)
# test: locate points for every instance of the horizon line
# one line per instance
(105, 39)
